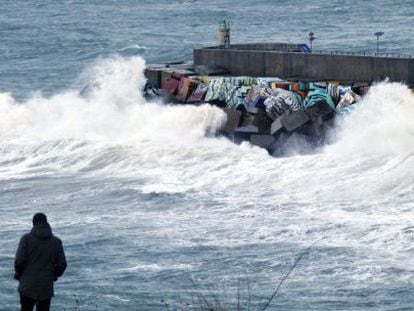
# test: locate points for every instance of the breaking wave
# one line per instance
(111, 143)
(374, 147)
(383, 123)
(113, 130)
(72, 131)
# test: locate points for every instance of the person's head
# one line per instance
(39, 218)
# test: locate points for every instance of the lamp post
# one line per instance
(311, 38)
(378, 34)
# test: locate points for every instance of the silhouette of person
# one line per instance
(39, 262)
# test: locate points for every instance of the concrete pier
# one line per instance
(289, 62)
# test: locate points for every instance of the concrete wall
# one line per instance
(306, 66)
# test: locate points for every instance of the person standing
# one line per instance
(39, 262)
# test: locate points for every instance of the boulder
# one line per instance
(171, 85)
(262, 121)
(153, 76)
(276, 128)
(263, 141)
(244, 133)
(252, 110)
(186, 88)
(247, 119)
(233, 121)
(198, 94)
(259, 102)
(176, 73)
(294, 120)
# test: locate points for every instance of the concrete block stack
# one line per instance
(264, 111)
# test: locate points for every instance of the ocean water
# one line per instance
(154, 209)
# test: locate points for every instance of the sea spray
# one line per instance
(373, 152)
(382, 124)
(144, 183)
(73, 129)
(114, 130)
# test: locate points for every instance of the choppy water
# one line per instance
(145, 197)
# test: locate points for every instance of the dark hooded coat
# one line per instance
(40, 260)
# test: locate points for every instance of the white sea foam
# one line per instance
(383, 124)
(356, 193)
(113, 113)
(113, 130)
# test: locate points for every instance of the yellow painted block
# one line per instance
(207, 79)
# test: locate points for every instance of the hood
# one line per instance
(42, 231)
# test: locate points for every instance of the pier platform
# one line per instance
(290, 61)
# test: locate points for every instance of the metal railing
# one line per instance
(324, 52)
(371, 54)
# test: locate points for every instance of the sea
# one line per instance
(158, 212)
